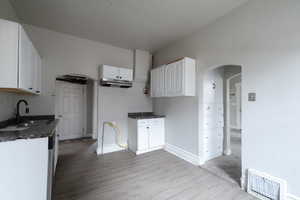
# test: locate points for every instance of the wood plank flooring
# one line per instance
(81, 175)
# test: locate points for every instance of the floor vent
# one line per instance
(265, 187)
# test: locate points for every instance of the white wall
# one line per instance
(114, 106)
(262, 37)
(7, 105)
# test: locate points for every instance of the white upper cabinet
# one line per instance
(115, 73)
(9, 34)
(175, 79)
(20, 61)
(109, 72)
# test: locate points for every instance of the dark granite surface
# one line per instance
(43, 126)
(144, 115)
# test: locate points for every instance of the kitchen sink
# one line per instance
(14, 128)
(18, 127)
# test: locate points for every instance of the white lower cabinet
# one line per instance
(145, 135)
(24, 169)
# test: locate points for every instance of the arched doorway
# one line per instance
(222, 121)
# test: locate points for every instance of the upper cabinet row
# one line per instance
(20, 63)
(174, 79)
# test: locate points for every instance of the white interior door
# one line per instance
(70, 110)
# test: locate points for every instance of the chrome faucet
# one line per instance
(18, 117)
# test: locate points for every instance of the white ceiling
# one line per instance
(141, 24)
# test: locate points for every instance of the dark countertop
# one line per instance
(42, 127)
(144, 115)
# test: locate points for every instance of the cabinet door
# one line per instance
(125, 74)
(37, 72)
(169, 79)
(156, 133)
(25, 61)
(161, 82)
(157, 82)
(179, 78)
(34, 69)
(143, 137)
(8, 54)
(39, 75)
(153, 83)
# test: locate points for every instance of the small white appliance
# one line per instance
(115, 76)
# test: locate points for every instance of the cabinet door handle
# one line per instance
(30, 88)
(38, 91)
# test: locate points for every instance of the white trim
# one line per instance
(185, 155)
(138, 152)
(227, 146)
(291, 197)
(95, 110)
(109, 148)
(84, 91)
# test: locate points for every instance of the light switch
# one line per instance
(252, 96)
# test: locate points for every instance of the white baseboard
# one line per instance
(185, 155)
(292, 197)
(109, 148)
(148, 150)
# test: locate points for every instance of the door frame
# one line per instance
(227, 147)
(57, 115)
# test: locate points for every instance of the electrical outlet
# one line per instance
(251, 96)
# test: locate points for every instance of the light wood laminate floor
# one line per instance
(81, 175)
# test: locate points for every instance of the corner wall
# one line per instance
(262, 37)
